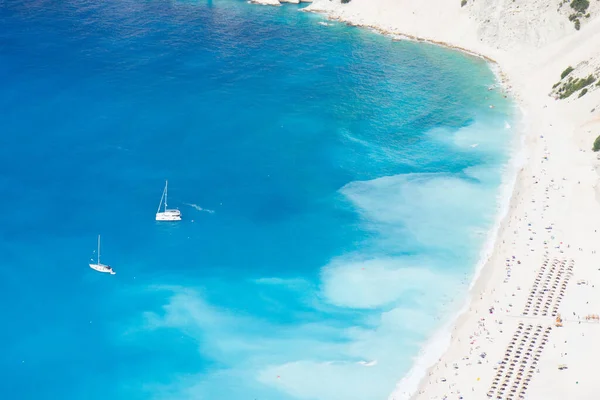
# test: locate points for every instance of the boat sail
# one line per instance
(98, 266)
(166, 214)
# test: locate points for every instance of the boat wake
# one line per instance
(197, 207)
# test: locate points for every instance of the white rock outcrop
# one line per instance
(266, 2)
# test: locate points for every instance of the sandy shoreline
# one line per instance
(507, 342)
(440, 343)
(538, 236)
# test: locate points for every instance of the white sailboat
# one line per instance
(98, 266)
(166, 214)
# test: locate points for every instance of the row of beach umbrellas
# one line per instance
(522, 355)
(520, 359)
(547, 290)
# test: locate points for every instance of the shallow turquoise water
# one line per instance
(336, 188)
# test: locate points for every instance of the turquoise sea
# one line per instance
(336, 190)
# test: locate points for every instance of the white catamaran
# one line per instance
(99, 266)
(166, 214)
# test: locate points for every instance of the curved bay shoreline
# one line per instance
(550, 222)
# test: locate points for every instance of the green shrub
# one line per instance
(596, 144)
(345, 1)
(577, 24)
(583, 92)
(566, 72)
(580, 5)
(463, 3)
(574, 85)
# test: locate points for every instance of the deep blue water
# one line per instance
(336, 188)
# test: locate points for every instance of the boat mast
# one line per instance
(98, 249)
(161, 200)
(166, 194)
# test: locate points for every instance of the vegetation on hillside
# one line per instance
(572, 85)
(596, 146)
(579, 7)
(566, 72)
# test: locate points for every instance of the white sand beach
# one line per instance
(545, 261)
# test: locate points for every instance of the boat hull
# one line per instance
(169, 215)
(102, 268)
